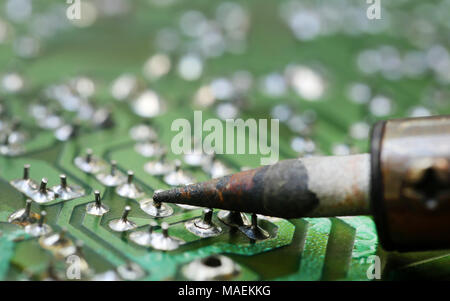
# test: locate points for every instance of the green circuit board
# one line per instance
(323, 68)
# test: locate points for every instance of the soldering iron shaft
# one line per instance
(307, 187)
(404, 183)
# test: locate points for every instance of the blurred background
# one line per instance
(323, 68)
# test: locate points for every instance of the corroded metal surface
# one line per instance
(415, 175)
(277, 190)
(322, 186)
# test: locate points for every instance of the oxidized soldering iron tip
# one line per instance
(320, 186)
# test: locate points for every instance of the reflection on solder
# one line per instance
(123, 224)
(112, 178)
(67, 192)
(254, 231)
(159, 167)
(178, 176)
(163, 241)
(155, 209)
(233, 218)
(90, 163)
(144, 238)
(97, 208)
(26, 184)
(130, 271)
(204, 226)
(129, 189)
(39, 228)
(58, 243)
(24, 216)
(216, 267)
(43, 194)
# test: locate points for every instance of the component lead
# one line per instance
(25, 185)
(254, 232)
(10, 149)
(26, 171)
(89, 163)
(178, 177)
(144, 238)
(43, 194)
(155, 209)
(96, 208)
(123, 224)
(39, 228)
(67, 192)
(88, 155)
(24, 216)
(159, 167)
(233, 218)
(113, 178)
(129, 189)
(164, 242)
(149, 149)
(58, 244)
(203, 227)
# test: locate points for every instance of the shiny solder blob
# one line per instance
(178, 176)
(112, 178)
(159, 167)
(58, 243)
(123, 224)
(10, 149)
(149, 148)
(40, 227)
(144, 238)
(163, 241)
(215, 267)
(97, 208)
(67, 192)
(43, 194)
(90, 163)
(204, 226)
(155, 209)
(254, 231)
(24, 216)
(130, 271)
(25, 184)
(233, 218)
(129, 189)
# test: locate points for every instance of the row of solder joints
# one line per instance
(34, 223)
(148, 146)
(61, 246)
(171, 173)
(202, 227)
(125, 187)
(41, 193)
